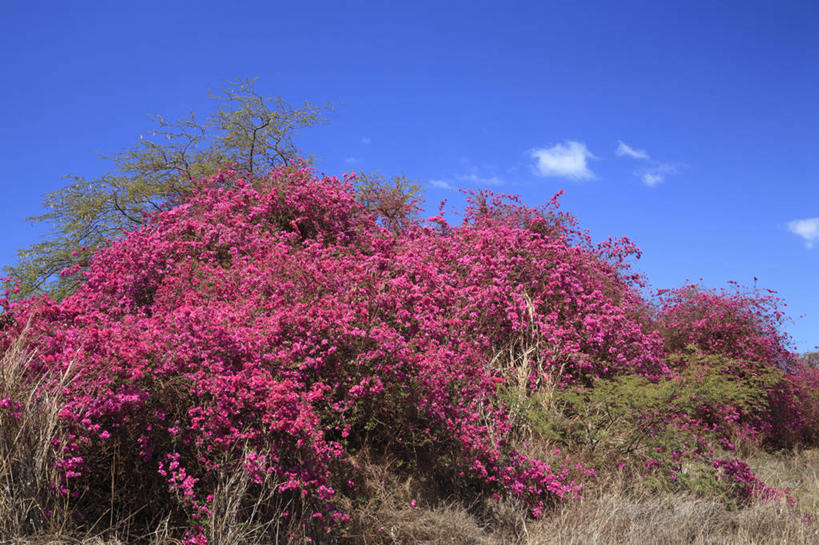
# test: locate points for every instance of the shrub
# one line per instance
(262, 335)
(274, 325)
(675, 432)
(740, 323)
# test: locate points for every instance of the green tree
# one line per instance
(246, 131)
(395, 203)
(810, 359)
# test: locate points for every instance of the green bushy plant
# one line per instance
(668, 431)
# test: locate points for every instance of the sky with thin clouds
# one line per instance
(688, 127)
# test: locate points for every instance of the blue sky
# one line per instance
(690, 127)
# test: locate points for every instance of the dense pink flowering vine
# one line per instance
(738, 323)
(278, 323)
(746, 325)
(276, 319)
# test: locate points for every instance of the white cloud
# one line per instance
(656, 173)
(624, 149)
(350, 160)
(480, 180)
(441, 184)
(563, 160)
(807, 229)
(652, 178)
(366, 140)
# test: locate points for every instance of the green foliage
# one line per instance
(394, 202)
(668, 429)
(246, 131)
(810, 359)
(712, 379)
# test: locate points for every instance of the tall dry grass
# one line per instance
(625, 514)
(28, 430)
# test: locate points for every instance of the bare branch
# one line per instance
(123, 212)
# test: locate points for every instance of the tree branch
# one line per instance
(123, 212)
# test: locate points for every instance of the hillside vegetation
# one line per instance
(292, 358)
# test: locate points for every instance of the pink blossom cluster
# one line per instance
(738, 475)
(794, 407)
(746, 325)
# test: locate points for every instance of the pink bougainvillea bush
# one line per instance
(276, 325)
(745, 325)
(794, 407)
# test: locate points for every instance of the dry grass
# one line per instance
(28, 505)
(395, 507)
(622, 517)
(796, 471)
